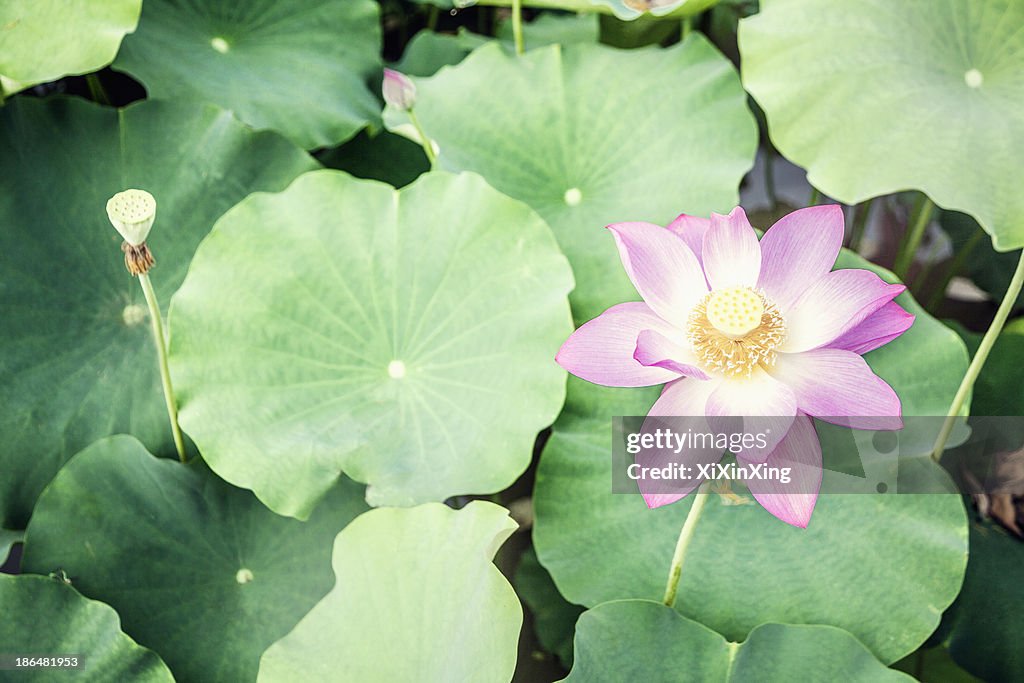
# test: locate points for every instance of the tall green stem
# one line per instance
(428, 146)
(857, 234)
(815, 197)
(517, 26)
(165, 373)
(978, 362)
(954, 268)
(769, 177)
(686, 27)
(919, 221)
(96, 91)
(432, 17)
(685, 536)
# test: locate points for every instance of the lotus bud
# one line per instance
(132, 213)
(399, 90)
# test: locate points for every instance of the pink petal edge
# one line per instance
(601, 350)
(654, 349)
(838, 386)
(798, 250)
(664, 271)
(691, 230)
(793, 503)
(878, 329)
(731, 254)
(834, 305)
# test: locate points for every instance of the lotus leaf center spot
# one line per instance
(133, 314)
(396, 369)
(244, 576)
(573, 196)
(220, 45)
(735, 311)
(973, 78)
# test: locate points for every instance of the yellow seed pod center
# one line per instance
(132, 213)
(735, 311)
(131, 206)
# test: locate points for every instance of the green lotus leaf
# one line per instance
(8, 539)
(199, 571)
(244, 56)
(987, 617)
(76, 356)
(934, 664)
(404, 338)
(43, 40)
(385, 156)
(600, 547)
(997, 389)
(987, 268)
(429, 51)
(45, 616)
(553, 29)
(874, 97)
(426, 605)
(671, 133)
(629, 640)
(554, 618)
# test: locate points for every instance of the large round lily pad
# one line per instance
(873, 97)
(199, 571)
(630, 640)
(44, 616)
(601, 547)
(416, 599)
(611, 135)
(246, 56)
(77, 361)
(406, 338)
(42, 40)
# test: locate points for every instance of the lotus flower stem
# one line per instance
(905, 257)
(857, 234)
(685, 536)
(517, 25)
(954, 268)
(96, 90)
(978, 362)
(428, 146)
(165, 373)
(769, 171)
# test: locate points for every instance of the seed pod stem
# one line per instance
(165, 373)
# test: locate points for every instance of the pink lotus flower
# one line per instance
(398, 89)
(737, 327)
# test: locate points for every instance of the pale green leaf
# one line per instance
(405, 338)
(416, 599)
